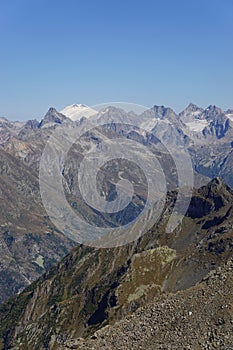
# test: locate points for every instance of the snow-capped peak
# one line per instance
(194, 118)
(76, 111)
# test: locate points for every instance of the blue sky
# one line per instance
(170, 52)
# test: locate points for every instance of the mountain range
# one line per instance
(57, 303)
(206, 133)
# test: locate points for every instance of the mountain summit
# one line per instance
(76, 111)
(51, 118)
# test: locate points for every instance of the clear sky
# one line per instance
(170, 52)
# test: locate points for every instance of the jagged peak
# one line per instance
(52, 110)
(162, 108)
(52, 116)
(193, 107)
(213, 109)
(162, 111)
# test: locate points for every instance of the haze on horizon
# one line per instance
(153, 52)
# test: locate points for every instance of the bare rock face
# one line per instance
(191, 113)
(52, 118)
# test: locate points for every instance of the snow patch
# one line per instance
(197, 125)
(230, 116)
(148, 124)
(151, 123)
(76, 111)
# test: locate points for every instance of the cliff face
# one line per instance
(91, 288)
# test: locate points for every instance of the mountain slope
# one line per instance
(197, 318)
(29, 243)
(91, 288)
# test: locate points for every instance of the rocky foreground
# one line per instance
(198, 318)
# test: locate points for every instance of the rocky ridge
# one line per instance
(198, 318)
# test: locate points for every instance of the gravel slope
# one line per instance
(198, 318)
